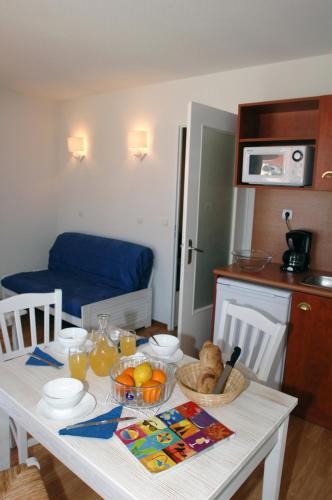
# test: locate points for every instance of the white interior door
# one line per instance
(207, 218)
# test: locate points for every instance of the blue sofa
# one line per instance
(96, 275)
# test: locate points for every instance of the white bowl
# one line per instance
(72, 337)
(168, 345)
(63, 393)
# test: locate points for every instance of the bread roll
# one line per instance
(211, 367)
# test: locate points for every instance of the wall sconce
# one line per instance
(76, 146)
(138, 142)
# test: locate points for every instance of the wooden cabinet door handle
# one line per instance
(327, 174)
(304, 306)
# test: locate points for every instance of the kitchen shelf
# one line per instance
(306, 120)
(283, 140)
(270, 186)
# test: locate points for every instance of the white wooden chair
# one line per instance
(259, 338)
(22, 481)
(15, 344)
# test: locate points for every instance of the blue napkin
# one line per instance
(38, 362)
(141, 341)
(103, 431)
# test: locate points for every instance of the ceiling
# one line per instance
(68, 48)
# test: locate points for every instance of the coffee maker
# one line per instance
(297, 258)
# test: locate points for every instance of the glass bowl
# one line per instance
(251, 260)
(141, 397)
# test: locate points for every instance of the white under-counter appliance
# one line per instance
(278, 165)
(273, 302)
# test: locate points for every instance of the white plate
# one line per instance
(82, 409)
(175, 358)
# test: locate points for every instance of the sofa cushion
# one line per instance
(115, 263)
(76, 291)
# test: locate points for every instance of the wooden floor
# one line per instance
(307, 473)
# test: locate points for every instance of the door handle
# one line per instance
(327, 174)
(191, 249)
(304, 306)
(196, 249)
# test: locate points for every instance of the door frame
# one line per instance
(181, 126)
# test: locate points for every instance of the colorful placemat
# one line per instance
(173, 436)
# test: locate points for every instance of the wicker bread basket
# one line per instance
(187, 376)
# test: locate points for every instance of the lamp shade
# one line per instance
(137, 139)
(75, 144)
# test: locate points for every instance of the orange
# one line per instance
(151, 391)
(159, 376)
(125, 379)
(129, 371)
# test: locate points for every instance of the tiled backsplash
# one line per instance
(312, 210)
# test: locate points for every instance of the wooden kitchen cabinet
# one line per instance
(306, 120)
(323, 164)
(308, 366)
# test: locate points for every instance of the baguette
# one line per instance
(211, 368)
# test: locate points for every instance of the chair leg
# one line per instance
(4, 441)
(22, 445)
(12, 439)
(13, 433)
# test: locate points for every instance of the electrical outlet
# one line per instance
(284, 211)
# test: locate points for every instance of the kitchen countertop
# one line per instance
(272, 276)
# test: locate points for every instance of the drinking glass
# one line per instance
(78, 362)
(128, 342)
(94, 336)
(114, 336)
(104, 323)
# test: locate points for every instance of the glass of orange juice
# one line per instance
(78, 362)
(128, 342)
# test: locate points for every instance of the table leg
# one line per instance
(4, 441)
(273, 465)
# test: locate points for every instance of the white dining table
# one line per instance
(259, 418)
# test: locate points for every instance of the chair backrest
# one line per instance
(13, 309)
(258, 337)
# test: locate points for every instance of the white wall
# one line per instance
(108, 191)
(28, 181)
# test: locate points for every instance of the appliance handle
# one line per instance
(304, 306)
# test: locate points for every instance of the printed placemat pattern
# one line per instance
(164, 440)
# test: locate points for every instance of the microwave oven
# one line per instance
(278, 165)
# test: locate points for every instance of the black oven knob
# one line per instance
(297, 155)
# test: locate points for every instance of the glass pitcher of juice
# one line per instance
(103, 356)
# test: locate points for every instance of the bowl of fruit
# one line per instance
(141, 381)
